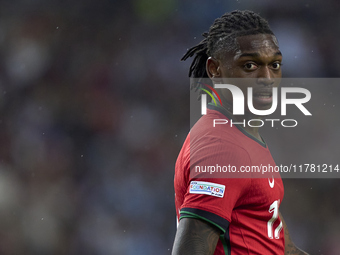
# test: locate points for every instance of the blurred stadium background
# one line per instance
(94, 109)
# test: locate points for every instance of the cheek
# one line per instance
(277, 82)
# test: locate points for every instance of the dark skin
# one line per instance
(258, 56)
(195, 237)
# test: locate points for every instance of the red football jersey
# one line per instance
(246, 208)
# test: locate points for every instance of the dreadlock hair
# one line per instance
(222, 37)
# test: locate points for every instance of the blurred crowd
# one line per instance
(94, 108)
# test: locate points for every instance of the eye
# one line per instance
(276, 65)
(250, 66)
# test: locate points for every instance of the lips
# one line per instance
(263, 92)
(263, 96)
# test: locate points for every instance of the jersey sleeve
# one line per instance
(212, 196)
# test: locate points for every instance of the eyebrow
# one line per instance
(256, 55)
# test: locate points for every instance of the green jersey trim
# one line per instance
(193, 215)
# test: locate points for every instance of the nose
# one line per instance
(265, 76)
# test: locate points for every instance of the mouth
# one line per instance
(263, 97)
(263, 94)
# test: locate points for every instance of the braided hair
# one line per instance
(222, 37)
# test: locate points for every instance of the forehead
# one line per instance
(256, 43)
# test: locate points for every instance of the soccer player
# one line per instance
(231, 215)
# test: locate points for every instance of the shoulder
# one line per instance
(208, 129)
(207, 140)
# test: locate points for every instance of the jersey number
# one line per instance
(274, 209)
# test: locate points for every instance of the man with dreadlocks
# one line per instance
(231, 215)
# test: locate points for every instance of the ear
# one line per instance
(213, 68)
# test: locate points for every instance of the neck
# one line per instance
(254, 131)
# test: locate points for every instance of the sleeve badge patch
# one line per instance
(207, 188)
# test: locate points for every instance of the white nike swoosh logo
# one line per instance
(271, 183)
